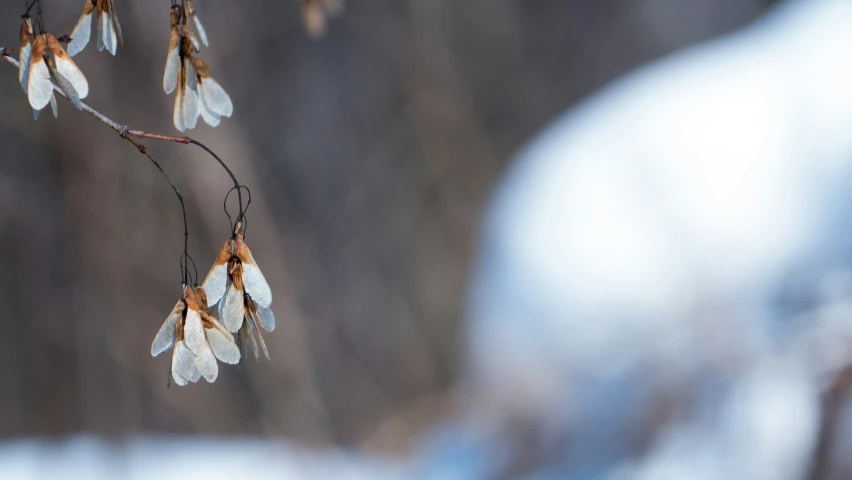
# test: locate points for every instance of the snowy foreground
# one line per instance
(167, 458)
(663, 289)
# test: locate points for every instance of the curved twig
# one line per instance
(237, 185)
(184, 269)
(128, 134)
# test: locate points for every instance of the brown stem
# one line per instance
(144, 151)
(5, 55)
(125, 132)
(128, 135)
(157, 136)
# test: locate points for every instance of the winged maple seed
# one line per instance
(237, 284)
(215, 102)
(197, 93)
(315, 15)
(48, 63)
(109, 30)
(197, 339)
(254, 315)
(186, 109)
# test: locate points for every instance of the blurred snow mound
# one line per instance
(652, 275)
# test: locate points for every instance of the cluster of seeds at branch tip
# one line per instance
(197, 337)
(109, 30)
(198, 95)
(43, 63)
(315, 15)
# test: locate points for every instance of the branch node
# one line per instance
(122, 131)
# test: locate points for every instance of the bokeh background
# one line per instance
(370, 154)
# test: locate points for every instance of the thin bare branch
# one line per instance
(157, 136)
(144, 151)
(5, 55)
(126, 132)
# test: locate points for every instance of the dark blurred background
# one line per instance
(370, 154)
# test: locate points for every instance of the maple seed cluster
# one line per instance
(197, 93)
(109, 30)
(197, 337)
(42, 63)
(45, 64)
(245, 296)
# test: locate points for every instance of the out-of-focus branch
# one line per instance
(832, 403)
